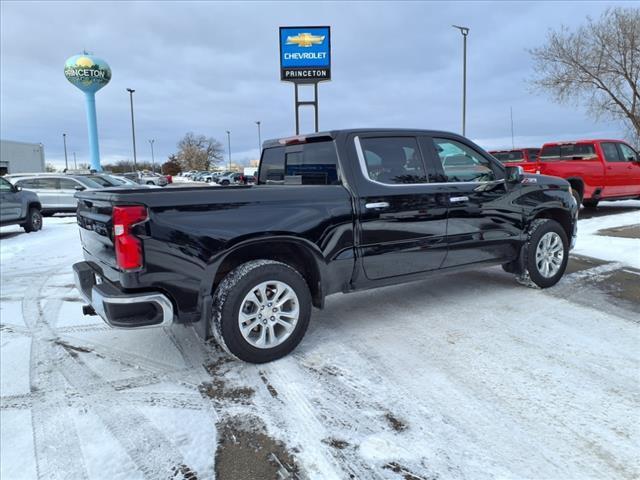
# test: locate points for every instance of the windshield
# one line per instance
(89, 183)
(514, 156)
(572, 151)
(104, 180)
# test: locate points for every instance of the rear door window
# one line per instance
(533, 154)
(393, 160)
(611, 153)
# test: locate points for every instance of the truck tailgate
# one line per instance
(96, 231)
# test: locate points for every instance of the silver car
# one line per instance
(56, 192)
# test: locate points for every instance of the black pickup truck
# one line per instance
(332, 212)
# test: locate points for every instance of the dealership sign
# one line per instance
(305, 54)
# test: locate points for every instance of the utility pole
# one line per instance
(259, 138)
(229, 143)
(464, 31)
(133, 130)
(64, 141)
(153, 161)
(513, 145)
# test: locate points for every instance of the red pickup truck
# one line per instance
(523, 157)
(596, 169)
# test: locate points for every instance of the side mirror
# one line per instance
(17, 188)
(514, 174)
(79, 188)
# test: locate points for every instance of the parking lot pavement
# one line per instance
(462, 376)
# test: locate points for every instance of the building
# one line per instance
(21, 157)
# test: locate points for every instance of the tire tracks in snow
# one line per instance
(56, 441)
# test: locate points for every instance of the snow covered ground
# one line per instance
(463, 376)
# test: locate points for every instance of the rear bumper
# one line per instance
(119, 309)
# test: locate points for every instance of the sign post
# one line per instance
(305, 58)
(89, 74)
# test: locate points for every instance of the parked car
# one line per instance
(596, 169)
(127, 182)
(524, 157)
(332, 212)
(56, 192)
(19, 207)
(146, 178)
(230, 178)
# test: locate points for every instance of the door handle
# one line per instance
(458, 199)
(377, 205)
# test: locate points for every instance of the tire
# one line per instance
(34, 221)
(150, 183)
(235, 292)
(547, 241)
(590, 203)
(577, 196)
(224, 182)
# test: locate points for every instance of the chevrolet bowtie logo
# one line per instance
(305, 40)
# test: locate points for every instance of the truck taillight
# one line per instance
(128, 246)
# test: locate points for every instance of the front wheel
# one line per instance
(590, 203)
(547, 252)
(261, 311)
(34, 221)
(150, 183)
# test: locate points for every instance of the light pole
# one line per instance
(75, 164)
(229, 143)
(64, 141)
(153, 161)
(259, 138)
(133, 130)
(464, 31)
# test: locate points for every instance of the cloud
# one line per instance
(209, 67)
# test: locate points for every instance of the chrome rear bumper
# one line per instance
(119, 309)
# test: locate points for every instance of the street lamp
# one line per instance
(64, 141)
(153, 162)
(75, 164)
(259, 138)
(229, 143)
(133, 130)
(464, 31)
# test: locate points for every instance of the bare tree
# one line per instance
(197, 152)
(598, 63)
(50, 167)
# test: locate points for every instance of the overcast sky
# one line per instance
(209, 67)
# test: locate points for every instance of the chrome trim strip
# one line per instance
(363, 169)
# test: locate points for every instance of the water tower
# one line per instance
(89, 74)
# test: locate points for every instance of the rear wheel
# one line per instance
(261, 311)
(590, 203)
(34, 221)
(224, 182)
(547, 252)
(150, 183)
